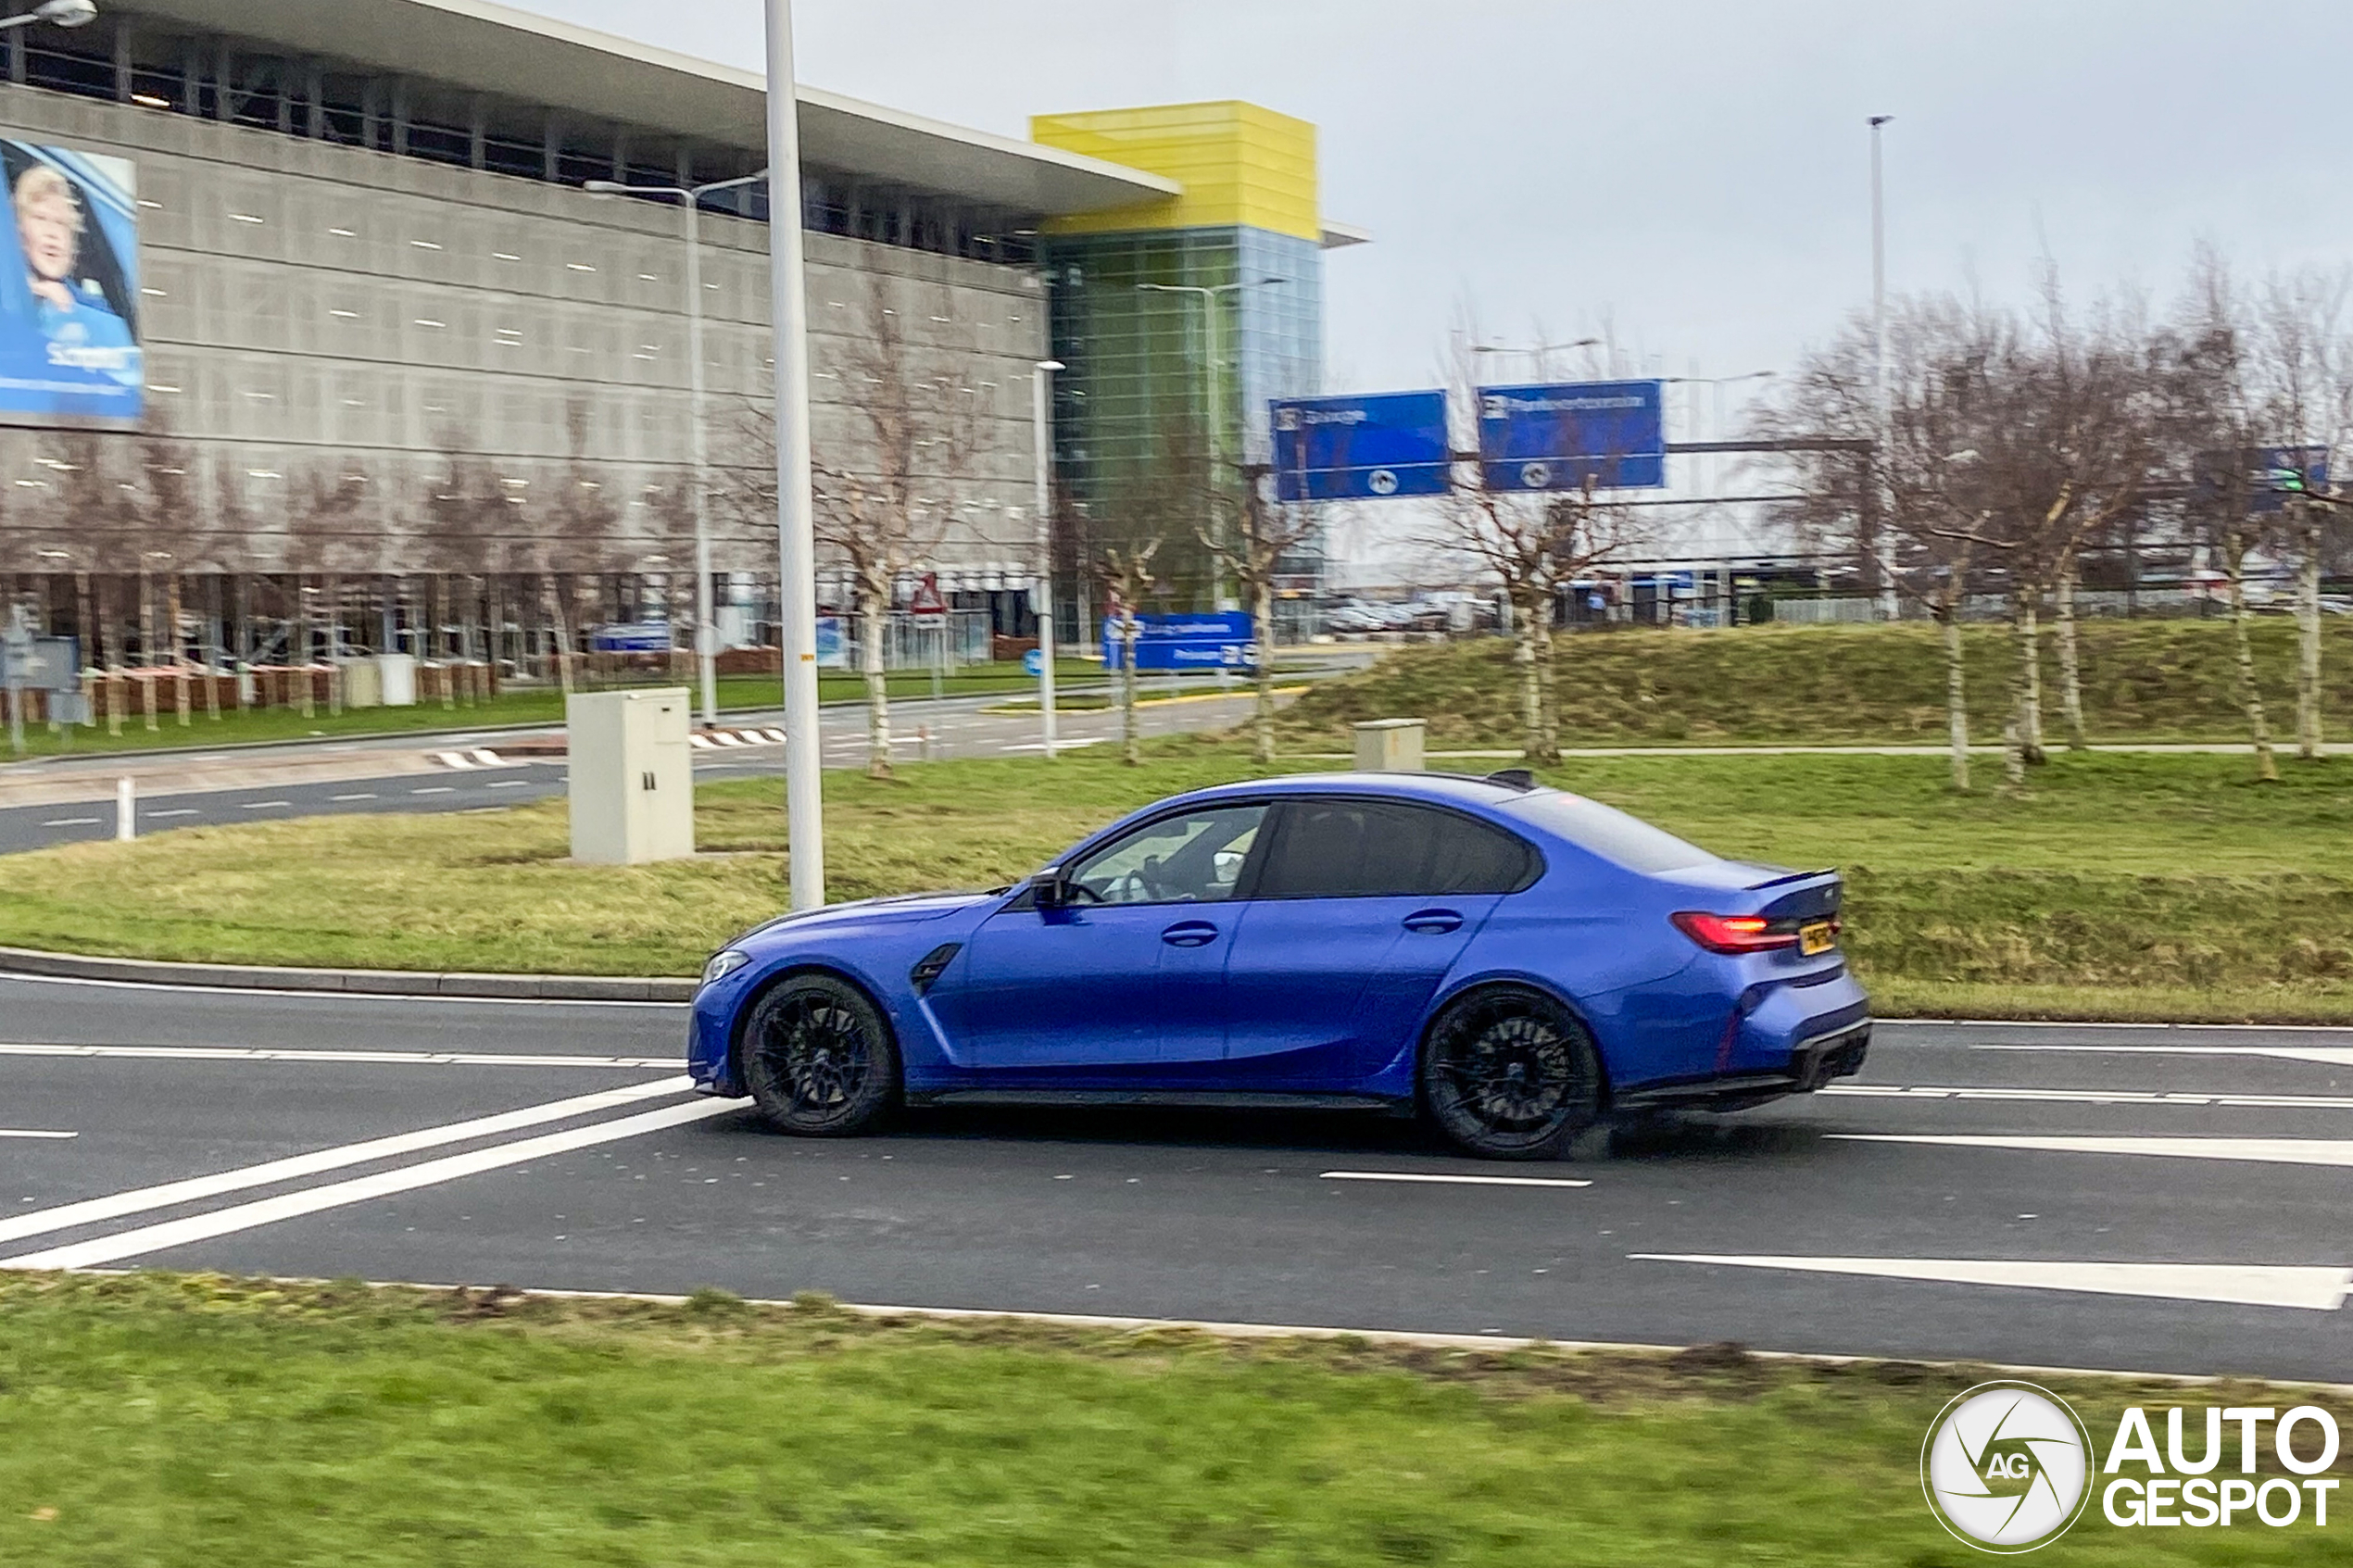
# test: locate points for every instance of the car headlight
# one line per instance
(723, 965)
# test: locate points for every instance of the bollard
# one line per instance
(126, 810)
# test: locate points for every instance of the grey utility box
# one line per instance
(632, 781)
(1390, 746)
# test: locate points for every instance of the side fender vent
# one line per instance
(932, 965)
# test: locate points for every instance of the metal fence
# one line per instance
(912, 642)
(2090, 604)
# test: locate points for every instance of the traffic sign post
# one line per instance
(1360, 448)
(1564, 436)
(930, 609)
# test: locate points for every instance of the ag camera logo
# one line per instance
(2006, 1467)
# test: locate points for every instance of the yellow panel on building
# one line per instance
(1239, 163)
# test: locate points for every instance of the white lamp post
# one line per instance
(706, 631)
(795, 540)
(1041, 392)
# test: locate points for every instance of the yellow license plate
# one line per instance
(1817, 936)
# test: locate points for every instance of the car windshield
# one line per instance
(1609, 832)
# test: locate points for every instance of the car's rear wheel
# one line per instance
(1507, 1073)
(818, 1058)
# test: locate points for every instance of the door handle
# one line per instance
(1190, 933)
(1433, 923)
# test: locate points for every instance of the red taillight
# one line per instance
(1737, 934)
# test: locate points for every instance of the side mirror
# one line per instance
(1051, 888)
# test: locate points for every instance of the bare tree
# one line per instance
(2304, 361)
(1531, 542)
(888, 496)
(2221, 418)
(1129, 578)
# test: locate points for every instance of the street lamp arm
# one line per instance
(57, 13)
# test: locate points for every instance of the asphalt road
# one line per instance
(958, 726)
(2148, 1199)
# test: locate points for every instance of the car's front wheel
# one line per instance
(818, 1058)
(1507, 1073)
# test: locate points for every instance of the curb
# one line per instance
(351, 981)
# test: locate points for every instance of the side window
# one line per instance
(1193, 859)
(1372, 848)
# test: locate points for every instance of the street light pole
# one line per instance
(1888, 607)
(706, 631)
(796, 539)
(1040, 389)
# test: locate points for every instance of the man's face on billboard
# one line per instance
(49, 229)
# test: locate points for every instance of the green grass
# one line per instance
(190, 1419)
(736, 692)
(2123, 886)
(2143, 679)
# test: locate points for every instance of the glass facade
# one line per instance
(1173, 341)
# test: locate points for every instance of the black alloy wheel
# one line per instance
(819, 1058)
(1507, 1073)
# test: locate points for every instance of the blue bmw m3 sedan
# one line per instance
(1511, 962)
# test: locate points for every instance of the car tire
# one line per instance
(818, 1058)
(1509, 1074)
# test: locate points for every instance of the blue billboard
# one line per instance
(1358, 449)
(1220, 641)
(1558, 437)
(69, 339)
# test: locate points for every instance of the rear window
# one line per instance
(1609, 832)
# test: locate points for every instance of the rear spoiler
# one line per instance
(1808, 894)
(1788, 877)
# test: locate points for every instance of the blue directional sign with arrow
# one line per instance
(1360, 448)
(1556, 437)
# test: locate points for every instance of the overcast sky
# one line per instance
(1694, 177)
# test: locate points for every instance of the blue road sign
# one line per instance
(1033, 664)
(1223, 641)
(1359, 448)
(2281, 473)
(1556, 437)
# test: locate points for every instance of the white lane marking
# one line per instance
(2083, 1026)
(352, 797)
(2093, 1097)
(436, 790)
(393, 1059)
(2271, 1151)
(182, 811)
(2320, 1289)
(379, 998)
(1071, 744)
(263, 805)
(1451, 1180)
(360, 1189)
(30, 1132)
(508, 783)
(2332, 1056)
(75, 821)
(140, 1200)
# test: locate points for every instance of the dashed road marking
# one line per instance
(34, 1133)
(77, 821)
(263, 805)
